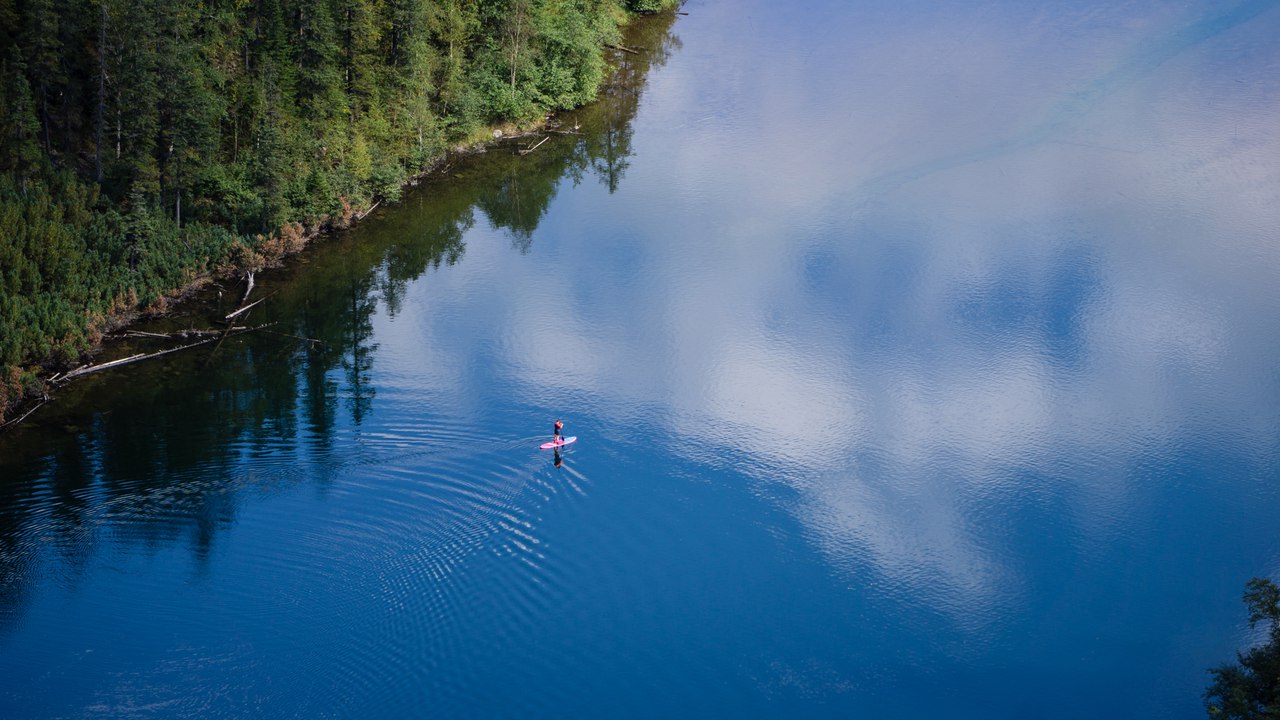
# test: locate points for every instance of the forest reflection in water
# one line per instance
(919, 348)
(165, 452)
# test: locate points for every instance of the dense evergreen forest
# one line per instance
(147, 144)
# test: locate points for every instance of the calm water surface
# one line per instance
(923, 359)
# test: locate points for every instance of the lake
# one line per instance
(922, 358)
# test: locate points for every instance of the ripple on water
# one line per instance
(423, 535)
(420, 532)
(409, 539)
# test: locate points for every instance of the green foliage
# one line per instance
(41, 258)
(1250, 689)
(65, 265)
(651, 6)
(143, 143)
(20, 155)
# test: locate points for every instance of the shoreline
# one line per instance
(39, 379)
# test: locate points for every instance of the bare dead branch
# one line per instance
(528, 150)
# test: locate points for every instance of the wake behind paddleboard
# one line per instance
(563, 441)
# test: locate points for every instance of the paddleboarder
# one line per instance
(556, 431)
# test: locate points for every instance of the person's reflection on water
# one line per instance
(558, 460)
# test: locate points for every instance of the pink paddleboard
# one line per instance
(563, 441)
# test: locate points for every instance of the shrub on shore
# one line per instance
(147, 144)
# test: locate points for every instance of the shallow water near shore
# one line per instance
(922, 361)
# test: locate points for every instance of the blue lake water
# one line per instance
(923, 360)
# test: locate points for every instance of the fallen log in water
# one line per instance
(246, 307)
(26, 414)
(362, 215)
(313, 341)
(218, 335)
(90, 369)
(190, 332)
(247, 290)
(528, 150)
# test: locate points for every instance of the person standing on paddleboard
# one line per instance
(556, 431)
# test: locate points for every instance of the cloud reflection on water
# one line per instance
(909, 295)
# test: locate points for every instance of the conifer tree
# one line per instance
(20, 153)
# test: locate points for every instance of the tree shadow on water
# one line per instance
(167, 452)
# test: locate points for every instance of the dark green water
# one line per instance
(922, 359)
